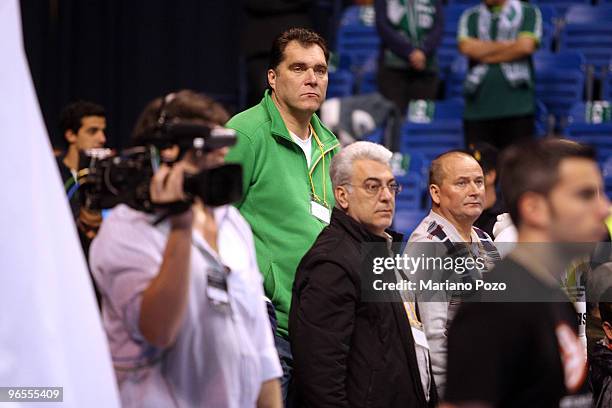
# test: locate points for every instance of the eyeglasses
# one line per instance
(374, 188)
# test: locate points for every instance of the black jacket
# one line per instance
(601, 375)
(348, 352)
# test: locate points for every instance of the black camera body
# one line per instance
(110, 178)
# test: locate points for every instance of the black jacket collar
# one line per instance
(357, 230)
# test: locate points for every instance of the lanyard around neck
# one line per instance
(320, 146)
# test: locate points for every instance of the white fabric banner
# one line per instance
(50, 329)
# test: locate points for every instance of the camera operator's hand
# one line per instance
(167, 184)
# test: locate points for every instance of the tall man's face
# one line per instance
(370, 197)
(460, 195)
(577, 205)
(90, 135)
(300, 80)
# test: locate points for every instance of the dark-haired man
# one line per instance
(285, 153)
(518, 347)
(83, 125)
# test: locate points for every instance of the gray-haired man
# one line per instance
(349, 352)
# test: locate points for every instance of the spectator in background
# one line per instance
(499, 37)
(410, 31)
(457, 190)
(83, 125)
(285, 153)
(486, 155)
(601, 358)
(519, 347)
(182, 297)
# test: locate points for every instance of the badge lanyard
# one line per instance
(314, 194)
(217, 290)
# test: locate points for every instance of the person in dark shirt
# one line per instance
(83, 125)
(410, 33)
(519, 347)
(486, 155)
(601, 357)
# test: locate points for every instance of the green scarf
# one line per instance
(517, 73)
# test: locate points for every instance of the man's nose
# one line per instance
(474, 189)
(386, 194)
(102, 137)
(311, 76)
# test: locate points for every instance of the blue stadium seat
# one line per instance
(431, 139)
(560, 60)
(412, 191)
(587, 14)
(606, 170)
(340, 84)
(376, 136)
(560, 5)
(549, 13)
(454, 81)
(464, 3)
(367, 80)
(577, 113)
(541, 119)
(358, 40)
(548, 36)
(589, 30)
(594, 40)
(597, 136)
(607, 86)
(447, 50)
(450, 109)
(559, 89)
(407, 220)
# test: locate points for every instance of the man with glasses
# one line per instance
(348, 351)
(457, 190)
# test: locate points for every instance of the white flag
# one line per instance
(50, 329)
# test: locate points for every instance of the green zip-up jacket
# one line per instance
(278, 194)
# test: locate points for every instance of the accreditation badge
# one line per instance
(320, 211)
(419, 337)
(216, 290)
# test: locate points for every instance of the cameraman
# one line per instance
(182, 300)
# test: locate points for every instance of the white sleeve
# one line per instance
(263, 336)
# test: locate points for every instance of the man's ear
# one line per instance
(490, 177)
(434, 192)
(607, 328)
(341, 196)
(70, 136)
(272, 78)
(534, 210)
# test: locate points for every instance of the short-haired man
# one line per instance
(285, 152)
(350, 352)
(83, 125)
(499, 37)
(457, 190)
(518, 347)
(182, 299)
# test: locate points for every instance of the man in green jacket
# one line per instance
(285, 153)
